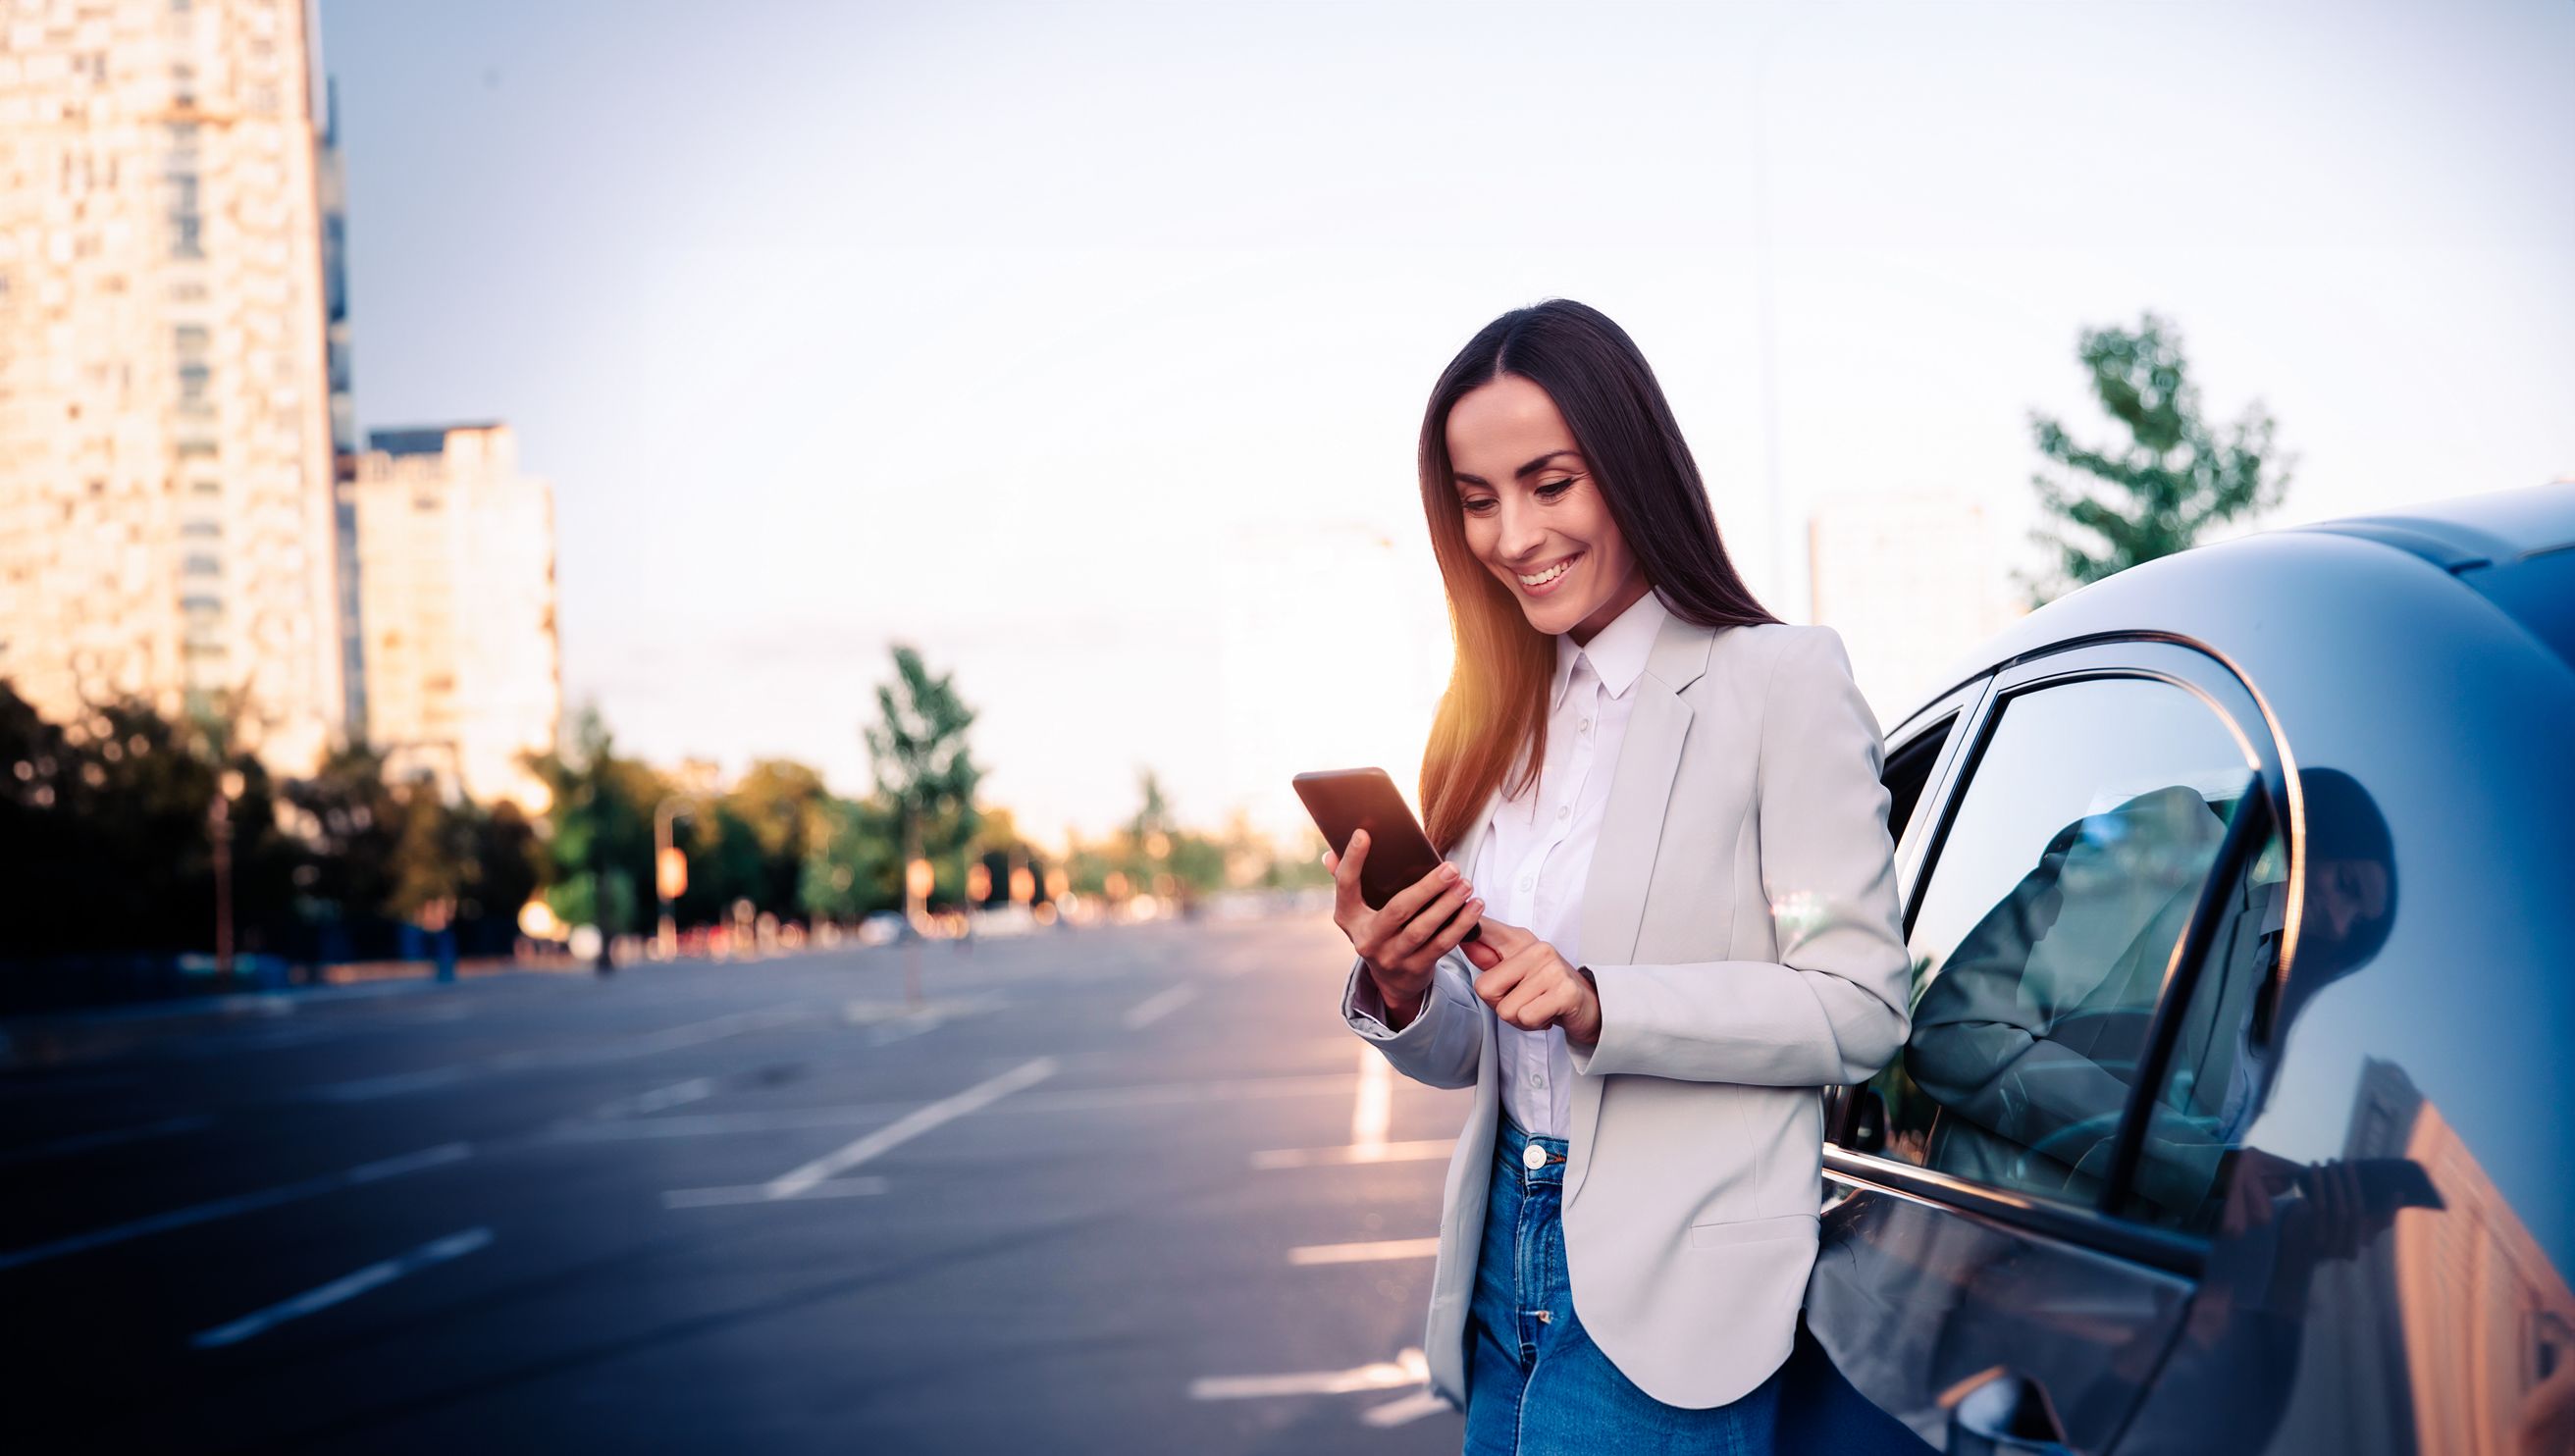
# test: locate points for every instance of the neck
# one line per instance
(1629, 593)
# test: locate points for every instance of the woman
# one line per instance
(1673, 800)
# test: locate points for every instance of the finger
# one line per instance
(1331, 860)
(1535, 1003)
(1457, 932)
(1426, 923)
(1519, 1007)
(1346, 876)
(1485, 956)
(1498, 981)
(1408, 901)
(1507, 937)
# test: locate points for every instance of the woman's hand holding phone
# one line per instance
(1402, 941)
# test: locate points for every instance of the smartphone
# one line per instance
(1346, 799)
(2386, 1186)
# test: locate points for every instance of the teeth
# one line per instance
(1549, 575)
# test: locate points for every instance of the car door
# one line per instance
(1975, 1281)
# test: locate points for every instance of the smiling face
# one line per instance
(1533, 509)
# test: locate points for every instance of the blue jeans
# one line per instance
(1534, 1382)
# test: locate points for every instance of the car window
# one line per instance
(2068, 874)
(1909, 771)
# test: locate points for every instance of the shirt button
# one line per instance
(1586, 725)
(1532, 1157)
(1526, 881)
(1562, 810)
(1538, 1080)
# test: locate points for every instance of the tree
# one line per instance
(856, 865)
(433, 858)
(349, 823)
(780, 803)
(600, 855)
(2173, 477)
(918, 753)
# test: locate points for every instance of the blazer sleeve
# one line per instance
(1440, 1046)
(1831, 1008)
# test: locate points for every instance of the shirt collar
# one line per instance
(1617, 652)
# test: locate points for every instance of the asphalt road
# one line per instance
(1097, 1191)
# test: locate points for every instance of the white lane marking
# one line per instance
(850, 1114)
(1153, 1008)
(1374, 1106)
(393, 1167)
(678, 1094)
(1400, 1412)
(1409, 1368)
(893, 1021)
(347, 1287)
(89, 1141)
(1429, 1151)
(394, 1085)
(1365, 1254)
(904, 1129)
(1091, 1100)
(857, 1012)
(759, 1193)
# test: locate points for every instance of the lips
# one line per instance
(1559, 572)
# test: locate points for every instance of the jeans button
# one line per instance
(1533, 1157)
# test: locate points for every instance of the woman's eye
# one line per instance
(1478, 506)
(1553, 489)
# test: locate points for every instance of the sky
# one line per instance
(1084, 346)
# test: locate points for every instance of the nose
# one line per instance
(1521, 536)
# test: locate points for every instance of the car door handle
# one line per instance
(1997, 1410)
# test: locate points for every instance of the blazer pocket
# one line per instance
(1754, 1230)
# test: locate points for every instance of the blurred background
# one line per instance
(564, 560)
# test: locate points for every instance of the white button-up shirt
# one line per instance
(1536, 856)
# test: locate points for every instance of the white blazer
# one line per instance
(1742, 920)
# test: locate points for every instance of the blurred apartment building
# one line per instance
(456, 605)
(1912, 580)
(166, 447)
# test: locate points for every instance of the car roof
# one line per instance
(2260, 596)
(2493, 527)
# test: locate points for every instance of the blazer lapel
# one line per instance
(1631, 823)
(1631, 828)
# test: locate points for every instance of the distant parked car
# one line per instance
(2240, 888)
(884, 927)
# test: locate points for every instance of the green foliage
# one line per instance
(106, 835)
(923, 765)
(2175, 476)
(433, 858)
(350, 820)
(1154, 856)
(856, 864)
(600, 855)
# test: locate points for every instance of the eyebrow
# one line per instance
(1524, 473)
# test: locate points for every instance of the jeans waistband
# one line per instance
(1510, 1150)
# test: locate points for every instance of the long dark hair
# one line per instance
(1497, 698)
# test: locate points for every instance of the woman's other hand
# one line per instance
(1402, 941)
(1529, 986)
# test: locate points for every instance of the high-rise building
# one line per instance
(456, 578)
(331, 183)
(165, 436)
(1912, 580)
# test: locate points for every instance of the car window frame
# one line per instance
(2206, 673)
(1962, 709)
